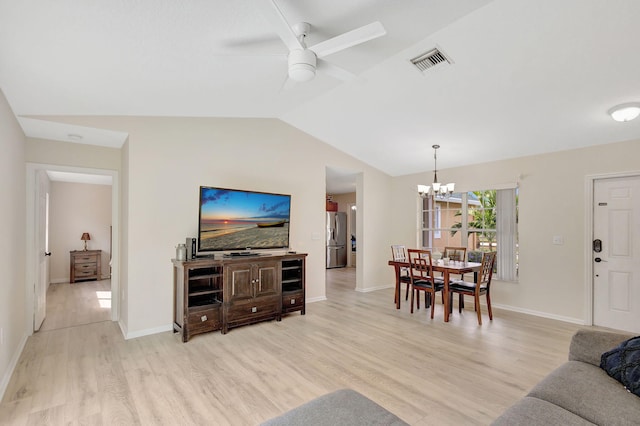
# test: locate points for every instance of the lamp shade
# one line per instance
(85, 236)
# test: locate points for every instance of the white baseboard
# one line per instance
(12, 366)
(316, 299)
(571, 320)
(370, 289)
(123, 329)
(147, 332)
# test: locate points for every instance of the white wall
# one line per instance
(552, 202)
(166, 161)
(45, 151)
(12, 244)
(76, 208)
(170, 158)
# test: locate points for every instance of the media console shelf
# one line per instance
(220, 293)
(293, 285)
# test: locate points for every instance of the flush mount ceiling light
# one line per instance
(625, 112)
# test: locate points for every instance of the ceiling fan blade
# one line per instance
(270, 41)
(334, 70)
(349, 39)
(274, 16)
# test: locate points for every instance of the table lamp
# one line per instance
(85, 237)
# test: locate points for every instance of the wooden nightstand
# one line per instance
(85, 265)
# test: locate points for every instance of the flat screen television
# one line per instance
(233, 220)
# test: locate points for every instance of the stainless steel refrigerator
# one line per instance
(336, 240)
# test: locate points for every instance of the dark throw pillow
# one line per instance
(623, 364)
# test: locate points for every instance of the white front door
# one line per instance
(42, 247)
(616, 253)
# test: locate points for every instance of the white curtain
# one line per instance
(506, 234)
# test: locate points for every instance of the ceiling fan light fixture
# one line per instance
(302, 72)
(302, 65)
(625, 112)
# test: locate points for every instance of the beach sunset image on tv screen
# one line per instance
(239, 220)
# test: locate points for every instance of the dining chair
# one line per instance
(452, 253)
(482, 285)
(421, 275)
(455, 253)
(399, 253)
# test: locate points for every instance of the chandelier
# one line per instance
(436, 188)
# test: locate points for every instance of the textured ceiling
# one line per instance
(527, 76)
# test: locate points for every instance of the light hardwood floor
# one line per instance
(425, 371)
(83, 302)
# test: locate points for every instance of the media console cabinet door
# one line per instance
(249, 280)
(269, 279)
(240, 281)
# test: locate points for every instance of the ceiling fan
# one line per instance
(303, 61)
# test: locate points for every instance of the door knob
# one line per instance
(47, 253)
(598, 260)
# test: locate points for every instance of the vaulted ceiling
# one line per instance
(525, 77)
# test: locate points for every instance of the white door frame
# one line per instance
(588, 238)
(41, 275)
(32, 169)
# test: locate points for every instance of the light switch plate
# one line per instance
(558, 240)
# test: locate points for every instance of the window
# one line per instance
(438, 225)
(479, 220)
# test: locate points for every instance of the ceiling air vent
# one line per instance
(430, 59)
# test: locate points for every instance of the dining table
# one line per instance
(446, 267)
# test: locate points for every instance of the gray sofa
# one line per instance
(578, 392)
(342, 407)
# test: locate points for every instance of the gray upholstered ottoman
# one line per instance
(342, 407)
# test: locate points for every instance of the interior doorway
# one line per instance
(341, 189)
(100, 291)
